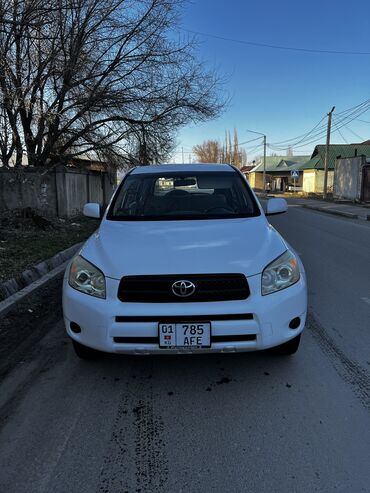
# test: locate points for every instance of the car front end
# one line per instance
(225, 284)
(258, 322)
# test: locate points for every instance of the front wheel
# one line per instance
(84, 352)
(289, 347)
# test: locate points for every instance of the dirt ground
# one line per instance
(26, 238)
(27, 323)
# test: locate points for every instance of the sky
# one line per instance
(282, 93)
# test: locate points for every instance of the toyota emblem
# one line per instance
(183, 288)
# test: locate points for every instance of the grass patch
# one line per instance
(22, 247)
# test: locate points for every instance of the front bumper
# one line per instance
(266, 326)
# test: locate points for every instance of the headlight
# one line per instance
(87, 278)
(280, 274)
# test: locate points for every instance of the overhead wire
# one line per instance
(303, 135)
(254, 148)
(247, 141)
(354, 133)
(354, 107)
(342, 119)
(338, 129)
(276, 47)
(350, 115)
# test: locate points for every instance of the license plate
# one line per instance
(185, 335)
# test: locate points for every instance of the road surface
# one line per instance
(222, 423)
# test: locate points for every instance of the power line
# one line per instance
(303, 135)
(354, 133)
(247, 141)
(338, 129)
(350, 115)
(276, 47)
(354, 107)
(351, 110)
(343, 118)
(254, 148)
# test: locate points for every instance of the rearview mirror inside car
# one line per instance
(184, 182)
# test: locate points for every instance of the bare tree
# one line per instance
(243, 157)
(101, 76)
(236, 157)
(228, 147)
(212, 151)
(208, 152)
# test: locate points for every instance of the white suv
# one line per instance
(185, 261)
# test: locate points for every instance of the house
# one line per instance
(246, 169)
(278, 172)
(255, 176)
(313, 170)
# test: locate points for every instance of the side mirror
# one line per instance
(92, 210)
(276, 206)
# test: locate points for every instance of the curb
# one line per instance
(334, 212)
(12, 300)
(54, 267)
(38, 271)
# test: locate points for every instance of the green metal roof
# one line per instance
(311, 164)
(317, 160)
(271, 163)
(280, 163)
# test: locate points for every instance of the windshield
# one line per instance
(169, 196)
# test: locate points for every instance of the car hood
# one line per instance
(245, 246)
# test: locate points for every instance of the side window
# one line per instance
(128, 199)
(243, 198)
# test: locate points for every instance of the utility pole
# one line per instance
(264, 164)
(330, 114)
(182, 152)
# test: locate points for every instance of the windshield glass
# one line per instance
(169, 196)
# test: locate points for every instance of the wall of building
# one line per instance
(319, 185)
(61, 191)
(313, 181)
(256, 180)
(309, 181)
(348, 178)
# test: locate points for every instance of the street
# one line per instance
(251, 422)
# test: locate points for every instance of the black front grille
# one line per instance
(155, 340)
(208, 287)
(183, 318)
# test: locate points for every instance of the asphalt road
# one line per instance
(222, 423)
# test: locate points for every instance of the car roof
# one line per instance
(176, 168)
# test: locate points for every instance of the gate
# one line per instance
(365, 193)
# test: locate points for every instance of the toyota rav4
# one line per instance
(185, 261)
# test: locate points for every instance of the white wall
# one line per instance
(313, 181)
(348, 178)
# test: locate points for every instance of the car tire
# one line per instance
(84, 352)
(289, 347)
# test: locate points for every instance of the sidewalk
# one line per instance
(346, 210)
(352, 211)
